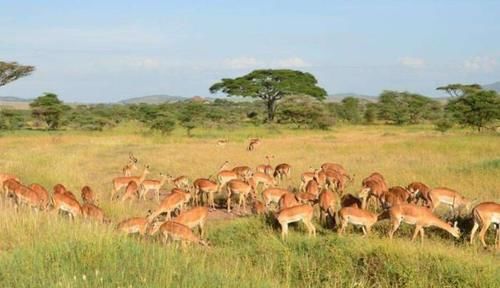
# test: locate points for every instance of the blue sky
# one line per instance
(101, 51)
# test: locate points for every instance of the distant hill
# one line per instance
(493, 86)
(153, 99)
(340, 96)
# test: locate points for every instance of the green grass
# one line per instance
(42, 250)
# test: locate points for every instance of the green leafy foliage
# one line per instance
(48, 108)
(11, 71)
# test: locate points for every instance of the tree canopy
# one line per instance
(271, 85)
(48, 108)
(11, 71)
(476, 109)
(457, 89)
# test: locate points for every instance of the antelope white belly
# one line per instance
(355, 220)
(495, 218)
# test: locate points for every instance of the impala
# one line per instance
(337, 180)
(327, 205)
(394, 196)
(131, 191)
(4, 177)
(377, 177)
(181, 182)
(134, 225)
(288, 200)
(224, 176)
(349, 200)
(357, 217)
(121, 182)
(63, 201)
(152, 184)
(293, 214)
(179, 232)
(419, 216)
(241, 188)
(195, 217)
(174, 200)
(264, 179)
(88, 195)
(281, 171)
(258, 207)
(318, 175)
(243, 172)
(266, 168)
(484, 215)
(333, 166)
(131, 165)
(450, 198)
(312, 187)
(25, 196)
(371, 188)
(305, 197)
(253, 143)
(90, 210)
(43, 194)
(9, 185)
(207, 187)
(419, 191)
(273, 195)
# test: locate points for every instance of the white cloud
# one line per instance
(293, 62)
(480, 63)
(412, 62)
(241, 63)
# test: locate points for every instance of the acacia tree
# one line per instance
(476, 109)
(271, 85)
(457, 89)
(11, 71)
(48, 108)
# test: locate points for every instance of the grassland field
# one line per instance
(43, 250)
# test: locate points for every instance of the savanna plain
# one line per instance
(49, 250)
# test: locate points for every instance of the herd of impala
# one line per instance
(323, 187)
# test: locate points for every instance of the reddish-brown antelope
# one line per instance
(195, 217)
(271, 195)
(253, 143)
(357, 217)
(262, 178)
(327, 205)
(131, 192)
(131, 165)
(24, 196)
(63, 201)
(241, 188)
(336, 180)
(205, 186)
(243, 172)
(450, 198)
(419, 216)
(371, 188)
(175, 200)
(419, 191)
(312, 187)
(293, 214)
(91, 211)
(394, 196)
(152, 185)
(484, 215)
(317, 174)
(281, 171)
(179, 232)
(9, 186)
(258, 207)
(121, 182)
(88, 195)
(224, 176)
(288, 200)
(349, 200)
(133, 225)
(4, 177)
(43, 194)
(334, 167)
(181, 182)
(266, 168)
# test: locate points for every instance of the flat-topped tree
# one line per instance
(11, 71)
(271, 85)
(457, 89)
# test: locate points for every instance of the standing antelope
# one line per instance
(288, 200)
(484, 215)
(43, 194)
(65, 202)
(356, 216)
(224, 176)
(25, 196)
(394, 196)
(334, 167)
(131, 165)
(281, 171)
(419, 216)
(181, 182)
(264, 179)
(88, 195)
(241, 188)
(152, 184)
(371, 188)
(195, 217)
(134, 225)
(120, 182)
(174, 200)
(273, 195)
(266, 168)
(207, 187)
(131, 191)
(253, 143)
(178, 232)
(4, 177)
(450, 198)
(419, 191)
(317, 174)
(293, 214)
(327, 205)
(90, 210)
(243, 172)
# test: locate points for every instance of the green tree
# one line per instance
(271, 86)
(475, 109)
(48, 108)
(11, 71)
(370, 115)
(163, 123)
(404, 107)
(191, 116)
(11, 119)
(457, 90)
(444, 124)
(304, 111)
(351, 109)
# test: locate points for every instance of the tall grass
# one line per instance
(42, 250)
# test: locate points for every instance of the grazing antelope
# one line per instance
(43, 194)
(195, 217)
(181, 182)
(224, 176)
(9, 186)
(293, 214)
(88, 195)
(288, 200)
(152, 184)
(4, 177)
(349, 200)
(120, 182)
(450, 198)
(222, 142)
(312, 187)
(281, 171)
(205, 186)
(266, 168)
(243, 172)
(377, 177)
(262, 178)
(91, 211)
(358, 217)
(131, 191)
(134, 225)
(305, 197)
(258, 207)
(174, 200)
(371, 188)
(241, 188)
(484, 215)
(131, 165)
(273, 195)
(63, 201)
(394, 196)
(253, 143)
(334, 167)
(337, 180)
(25, 196)
(419, 191)
(419, 216)
(179, 232)
(327, 205)
(318, 175)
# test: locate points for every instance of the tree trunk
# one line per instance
(271, 109)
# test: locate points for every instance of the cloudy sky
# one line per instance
(91, 51)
